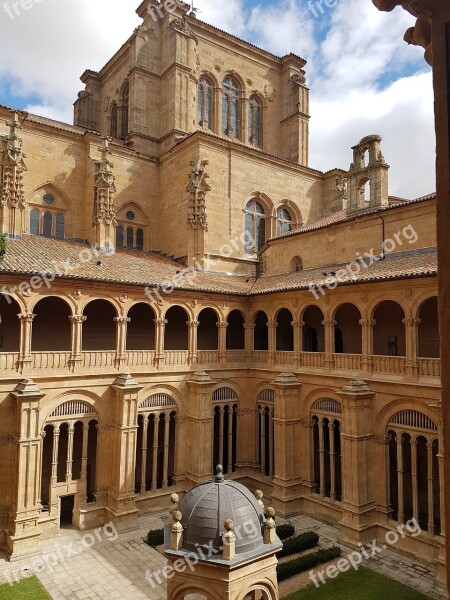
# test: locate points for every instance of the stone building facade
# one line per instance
(179, 284)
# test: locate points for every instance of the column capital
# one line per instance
(222, 324)
(367, 322)
(411, 321)
(77, 319)
(26, 317)
(160, 321)
(329, 323)
(122, 320)
(193, 323)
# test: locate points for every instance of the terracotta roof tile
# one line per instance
(70, 260)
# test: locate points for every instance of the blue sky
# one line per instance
(364, 79)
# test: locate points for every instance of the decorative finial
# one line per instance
(259, 495)
(269, 526)
(229, 541)
(219, 474)
(176, 534)
(174, 498)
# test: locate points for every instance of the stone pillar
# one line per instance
(120, 503)
(298, 339)
(193, 352)
(195, 435)
(329, 325)
(249, 340)
(121, 340)
(25, 359)
(22, 532)
(412, 346)
(287, 480)
(159, 343)
(244, 107)
(222, 326)
(272, 331)
(155, 449)
(358, 494)
(77, 339)
(367, 344)
(144, 450)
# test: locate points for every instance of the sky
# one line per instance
(364, 78)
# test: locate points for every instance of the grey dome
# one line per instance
(206, 508)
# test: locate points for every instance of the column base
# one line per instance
(122, 512)
(23, 539)
(286, 497)
(358, 525)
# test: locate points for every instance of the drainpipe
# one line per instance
(383, 255)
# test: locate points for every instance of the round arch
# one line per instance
(389, 338)
(10, 308)
(85, 396)
(428, 333)
(176, 332)
(313, 329)
(399, 405)
(261, 332)
(141, 330)
(235, 330)
(99, 329)
(348, 331)
(51, 330)
(168, 390)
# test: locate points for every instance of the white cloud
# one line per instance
(49, 46)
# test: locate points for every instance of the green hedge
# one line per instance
(305, 563)
(155, 538)
(301, 542)
(285, 531)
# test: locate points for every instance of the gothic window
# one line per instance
(130, 238)
(205, 103)
(60, 226)
(113, 123)
(46, 217)
(284, 221)
(297, 264)
(125, 111)
(34, 221)
(255, 121)
(140, 239)
(230, 107)
(119, 236)
(255, 227)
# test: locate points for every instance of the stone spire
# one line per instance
(12, 167)
(104, 217)
(197, 217)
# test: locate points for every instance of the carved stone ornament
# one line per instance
(104, 187)
(420, 34)
(182, 26)
(342, 187)
(12, 166)
(299, 78)
(78, 294)
(270, 92)
(197, 189)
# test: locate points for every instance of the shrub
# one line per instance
(285, 531)
(2, 245)
(155, 537)
(305, 563)
(301, 542)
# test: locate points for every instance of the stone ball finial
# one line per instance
(270, 512)
(259, 495)
(177, 516)
(229, 525)
(219, 474)
(174, 498)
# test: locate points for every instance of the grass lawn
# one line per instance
(26, 589)
(359, 585)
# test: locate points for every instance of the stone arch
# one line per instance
(208, 331)
(236, 330)
(313, 332)
(389, 337)
(51, 329)
(166, 390)
(84, 396)
(61, 205)
(100, 328)
(10, 330)
(139, 225)
(348, 329)
(267, 588)
(428, 332)
(176, 333)
(141, 330)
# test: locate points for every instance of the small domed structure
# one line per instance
(221, 544)
(206, 508)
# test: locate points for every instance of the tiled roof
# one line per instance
(341, 216)
(70, 260)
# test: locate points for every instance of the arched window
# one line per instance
(130, 238)
(205, 103)
(326, 419)
(414, 478)
(230, 107)
(34, 221)
(60, 226)
(255, 121)
(48, 224)
(296, 264)
(284, 221)
(140, 239)
(113, 123)
(255, 227)
(225, 427)
(266, 433)
(124, 121)
(119, 236)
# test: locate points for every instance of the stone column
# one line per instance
(287, 480)
(430, 489)
(244, 108)
(69, 463)
(329, 325)
(155, 450)
(25, 358)
(84, 461)
(77, 340)
(249, 340)
(358, 493)
(298, 340)
(222, 326)
(22, 532)
(367, 344)
(193, 352)
(195, 435)
(412, 346)
(272, 331)
(121, 497)
(165, 481)
(144, 450)
(121, 356)
(159, 343)
(400, 474)
(230, 441)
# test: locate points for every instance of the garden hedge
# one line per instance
(285, 531)
(301, 542)
(155, 537)
(305, 563)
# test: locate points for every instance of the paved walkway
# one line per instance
(113, 569)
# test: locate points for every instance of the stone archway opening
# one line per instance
(285, 331)
(348, 332)
(99, 330)
(141, 328)
(236, 331)
(208, 332)
(176, 334)
(9, 324)
(51, 326)
(389, 337)
(261, 332)
(313, 330)
(429, 329)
